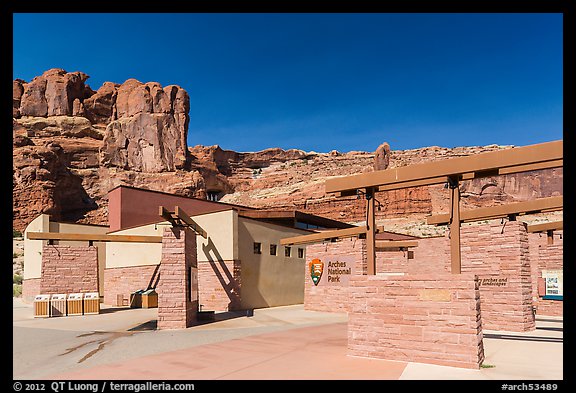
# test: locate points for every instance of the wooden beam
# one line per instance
(518, 159)
(550, 236)
(486, 213)
(370, 232)
(165, 214)
(423, 182)
(325, 235)
(93, 237)
(185, 217)
(180, 217)
(455, 254)
(545, 227)
(392, 244)
(321, 236)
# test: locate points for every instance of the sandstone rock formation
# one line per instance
(71, 145)
(382, 157)
(140, 129)
(53, 93)
(149, 130)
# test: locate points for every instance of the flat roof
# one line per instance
(287, 218)
(220, 204)
(290, 217)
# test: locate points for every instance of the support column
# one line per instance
(370, 232)
(550, 237)
(178, 284)
(455, 257)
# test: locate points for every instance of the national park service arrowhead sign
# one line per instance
(332, 270)
(316, 267)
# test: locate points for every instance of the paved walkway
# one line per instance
(275, 343)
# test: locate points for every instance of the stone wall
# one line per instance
(67, 269)
(497, 253)
(431, 318)
(219, 285)
(332, 298)
(550, 257)
(126, 280)
(178, 284)
(30, 288)
(430, 255)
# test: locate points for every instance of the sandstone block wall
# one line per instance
(68, 269)
(178, 284)
(430, 256)
(550, 257)
(30, 288)
(431, 318)
(497, 253)
(126, 280)
(332, 298)
(219, 285)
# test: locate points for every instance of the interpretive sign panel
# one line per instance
(554, 281)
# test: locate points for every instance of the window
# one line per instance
(213, 195)
(305, 225)
(257, 248)
(287, 251)
(273, 249)
(300, 253)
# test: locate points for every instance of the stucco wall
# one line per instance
(269, 280)
(220, 243)
(120, 254)
(33, 248)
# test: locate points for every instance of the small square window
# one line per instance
(257, 248)
(300, 253)
(273, 248)
(287, 251)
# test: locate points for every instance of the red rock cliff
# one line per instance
(72, 144)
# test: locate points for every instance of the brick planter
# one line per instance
(432, 318)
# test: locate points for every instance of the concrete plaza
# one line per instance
(275, 343)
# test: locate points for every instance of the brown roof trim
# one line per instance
(240, 207)
(387, 235)
(295, 215)
(80, 223)
(275, 224)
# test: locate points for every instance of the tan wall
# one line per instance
(220, 243)
(269, 280)
(33, 248)
(135, 254)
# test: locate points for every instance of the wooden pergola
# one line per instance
(548, 227)
(510, 210)
(451, 172)
(384, 245)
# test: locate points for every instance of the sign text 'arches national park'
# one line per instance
(331, 270)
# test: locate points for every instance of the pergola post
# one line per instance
(370, 232)
(550, 236)
(455, 257)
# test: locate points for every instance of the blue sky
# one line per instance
(323, 81)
